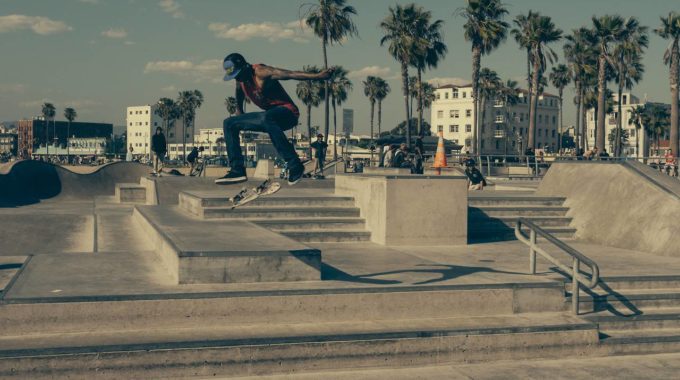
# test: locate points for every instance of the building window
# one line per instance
(468, 128)
(453, 128)
(455, 93)
(539, 132)
(438, 96)
(498, 146)
(498, 103)
(440, 114)
(440, 128)
(464, 93)
(131, 124)
(147, 112)
(454, 113)
(482, 143)
(147, 123)
(468, 113)
(624, 99)
(553, 133)
(499, 118)
(554, 120)
(446, 95)
(540, 118)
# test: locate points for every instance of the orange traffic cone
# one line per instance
(440, 156)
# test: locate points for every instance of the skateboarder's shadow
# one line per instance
(446, 272)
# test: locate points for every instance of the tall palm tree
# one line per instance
(187, 103)
(626, 61)
(655, 121)
(433, 51)
(382, 90)
(608, 30)
(331, 20)
(636, 119)
(670, 30)
(412, 92)
(521, 33)
(489, 86)
(369, 92)
(166, 110)
(485, 30)
(310, 94)
(542, 31)
(48, 112)
(403, 46)
(582, 62)
(70, 114)
(560, 77)
(230, 103)
(339, 86)
(508, 93)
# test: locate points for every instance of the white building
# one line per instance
(504, 129)
(141, 123)
(636, 143)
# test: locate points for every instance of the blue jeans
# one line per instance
(274, 121)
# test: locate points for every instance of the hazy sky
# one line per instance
(100, 56)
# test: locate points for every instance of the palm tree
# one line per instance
(339, 86)
(412, 92)
(607, 30)
(485, 30)
(670, 30)
(48, 112)
(166, 109)
(403, 45)
(626, 61)
(655, 121)
(489, 87)
(382, 90)
(508, 93)
(433, 51)
(70, 114)
(187, 103)
(369, 92)
(636, 119)
(331, 20)
(219, 142)
(542, 31)
(521, 34)
(560, 77)
(310, 94)
(230, 103)
(582, 62)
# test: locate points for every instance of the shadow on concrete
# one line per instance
(446, 272)
(28, 182)
(330, 273)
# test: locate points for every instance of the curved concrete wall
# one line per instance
(618, 205)
(26, 182)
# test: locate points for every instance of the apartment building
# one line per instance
(504, 128)
(141, 123)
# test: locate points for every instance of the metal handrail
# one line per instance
(577, 258)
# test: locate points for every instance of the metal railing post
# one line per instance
(488, 167)
(574, 286)
(532, 252)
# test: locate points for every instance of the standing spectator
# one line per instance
(128, 156)
(417, 167)
(604, 155)
(159, 147)
(389, 156)
(401, 157)
(320, 148)
(476, 180)
(670, 166)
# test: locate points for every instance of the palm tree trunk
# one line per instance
(529, 75)
(372, 135)
(601, 107)
(482, 121)
(476, 62)
(675, 57)
(325, 84)
(335, 130)
(619, 121)
(68, 146)
(379, 116)
(577, 128)
(531, 143)
(184, 139)
(309, 128)
(559, 130)
(420, 104)
(404, 81)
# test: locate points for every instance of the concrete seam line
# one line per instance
(95, 245)
(14, 278)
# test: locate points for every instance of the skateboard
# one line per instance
(248, 195)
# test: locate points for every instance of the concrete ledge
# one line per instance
(410, 209)
(197, 252)
(130, 193)
(369, 170)
(264, 169)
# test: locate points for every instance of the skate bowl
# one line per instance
(28, 182)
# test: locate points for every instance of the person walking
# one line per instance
(159, 147)
(320, 147)
(260, 84)
(128, 156)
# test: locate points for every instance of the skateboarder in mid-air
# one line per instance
(260, 83)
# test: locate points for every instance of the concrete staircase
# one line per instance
(493, 217)
(636, 315)
(312, 218)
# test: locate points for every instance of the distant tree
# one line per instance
(310, 94)
(230, 103)
(382, 90)
(187, 103)
(339, 86)
(560, 77)
(670, 30)
(70, 114)
(400, 129)
(48, 112)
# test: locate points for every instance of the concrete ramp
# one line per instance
(28, 182)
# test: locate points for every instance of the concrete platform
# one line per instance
(199, 252)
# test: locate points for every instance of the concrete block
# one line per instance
(264, 169)
(386, 171)
(411, 210)
(130, 193)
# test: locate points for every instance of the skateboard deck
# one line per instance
(248, 195)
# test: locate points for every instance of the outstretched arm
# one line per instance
(268, 72)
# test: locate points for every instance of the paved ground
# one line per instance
(658, 367)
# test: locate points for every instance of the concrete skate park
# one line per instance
(116, 274)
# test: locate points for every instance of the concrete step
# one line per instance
(479, 220)
(499, 233)
(641, 341)
(515, 201)
(623, 283)
(196, 200)
(311, 302)
(311, 223)
(497, 211)
(326, 236)
(130, 193)
(280, 348)
(630, 302)
(651, 320)
(278, 212)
